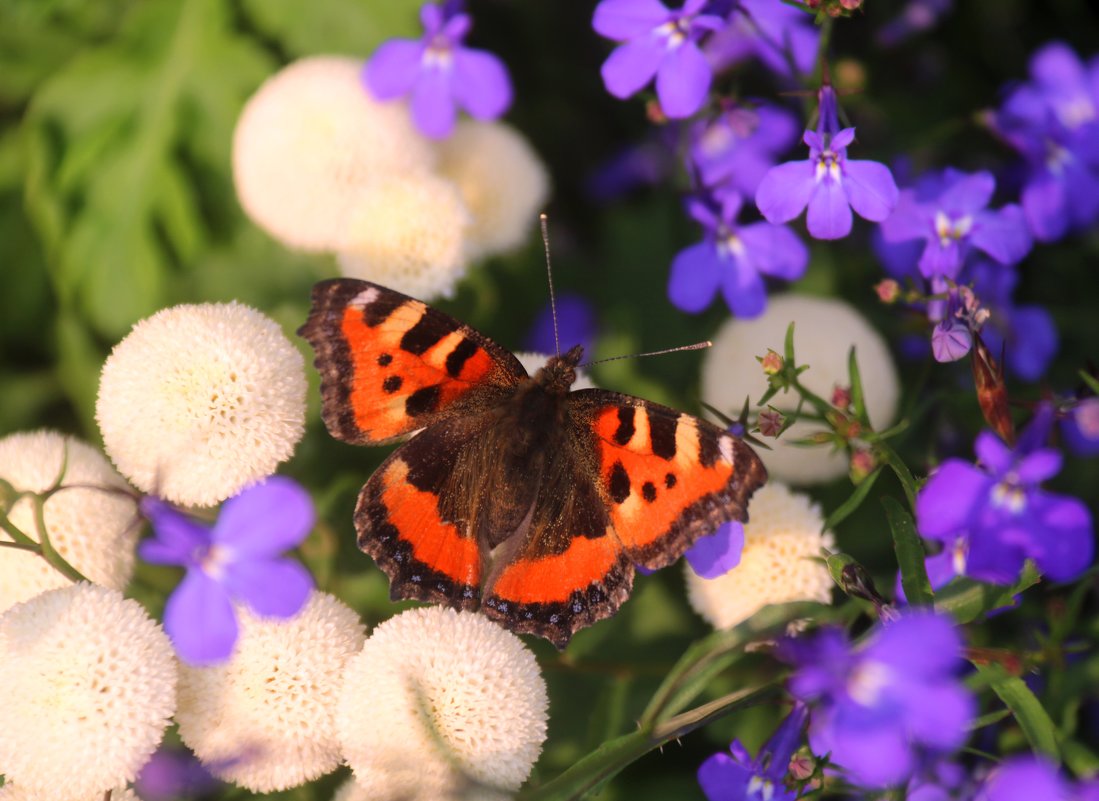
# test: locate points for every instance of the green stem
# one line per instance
(48, 551)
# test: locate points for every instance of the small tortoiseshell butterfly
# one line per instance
(518, 497)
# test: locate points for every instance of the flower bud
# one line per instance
(770, 422)
(772, 363)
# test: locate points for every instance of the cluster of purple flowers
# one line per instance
(991, 517)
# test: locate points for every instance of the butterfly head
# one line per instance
(559, 372)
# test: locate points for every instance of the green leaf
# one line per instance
(1090, 380)
(1027, 709)
(334, 26)
(910, 554)
(853, 502)
(886, 453)
(858, 399)
(113, 177)
(968, 600)
(788, 346)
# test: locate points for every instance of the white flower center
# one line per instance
(439, 54)
(867, 682)
(1057, 157)
(214, 560)
(1079, 111)
(828, 166)
(761, 788)
(730, 244)
(1008, 495)
(948, 229)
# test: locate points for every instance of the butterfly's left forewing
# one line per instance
(391, 364)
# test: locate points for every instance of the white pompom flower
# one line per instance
(466, 697)
(502, 180)
(408, 233)
(824, 331)
(17, 792)
(199, 401)
(350, 790)
(89, 686)
(92, 523)
(265, 718)
(308, 141)
(780, 562)
(533, 362)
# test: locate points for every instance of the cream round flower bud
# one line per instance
(466, 696)
(265, 718)
(780, 561)
(407, 232)
(502, 180)
(824, 331)
(307, 142)
(91, 523)
(199, 401)
(89, 685)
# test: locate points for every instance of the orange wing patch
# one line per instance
(669, 478)
(391, 364)
(426, 557)
(555, 577)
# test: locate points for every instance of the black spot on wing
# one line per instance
(392, 384)
(620, 483)
(662, 433)
(648, 491)
(709, 450)
(423, 335)
(670, 480)
(626, 428)
(422, 401)
(378, 310)
(385, 359)
(458, 357)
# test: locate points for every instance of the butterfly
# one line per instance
(517, 496)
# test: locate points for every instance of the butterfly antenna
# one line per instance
(695, 346)
(544, 220)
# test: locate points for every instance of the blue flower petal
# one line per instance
(919, 644)
(433, 107)
(271, 588)
(775, 250)
(695, 275)
(723, 779)
(480, 84)
(1033, 342)
(743, 287)
(716, 554)
(199, 618)
(871, 189)
(945, 504)
(393, 69)
(178, 539)
(993, 453)
(1002, 234)
(632, 65)
(937, 715)
(950, 341)
(829, 212)
(683, 80)
(627, 19)
(1065, 545)
(967, 194)
(785, 190)
(265, 520)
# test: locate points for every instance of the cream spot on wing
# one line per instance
(686, 440)
(725, 445)
(365, 298)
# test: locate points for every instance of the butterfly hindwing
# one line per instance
(568, 569)
(668, 477)
(403, 521)
(391, 364)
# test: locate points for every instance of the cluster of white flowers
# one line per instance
(91, 523)
(321, 166)
(824, 331)
(89, 686)
(780, 562)
(199, 401)
(466, 696)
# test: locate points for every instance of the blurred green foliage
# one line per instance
(116, 199)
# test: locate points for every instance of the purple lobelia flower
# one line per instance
(991, 518)
(440, 73)
(951, 216)
(1026, 333)
(781, 36)
(1053, 121)
(828, 183)
(737, 147)
(1080, 426)
(733, 258)
(239, 559)
(881, 708)
(737, 776)
(916, 17)
(576, 325)
(657, 42)
(716, 554)
(1023, 778)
